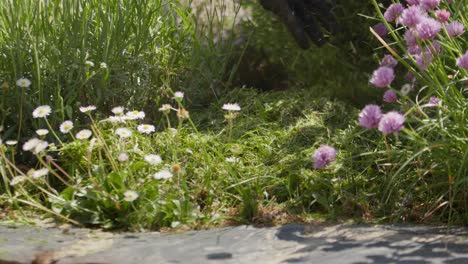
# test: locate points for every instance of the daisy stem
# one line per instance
(72, 136)
(51, 161)
(230, 125)
(13, 153)
(52, 130)
(98, 133)
(8, 163)
(181, 106)
(4, 174)
(41, 160)
(168, 120)
(29, 178)
(20, 121)
(39, 206)
(193, 125)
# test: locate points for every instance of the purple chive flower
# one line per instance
(381, 30)
(434, 101)
(409, 76)
(429, 4)
(462, 62)
(382, 77)
(391, 122)
(411, 16)
(410, 37)
(414, 49)
(455, 29)
(370, 116)
(323, 156)
(393, 12)
(390, 96)
(428, 28)
(413, 2)
(442, 15)
(433, 49)
(423, 59)
(389, 61)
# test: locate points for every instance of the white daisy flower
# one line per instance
(116, 119)
(16, 180)
(23, 82)
(146, 129)
(11, 142)
(164, 174)
(66, 126)
(231, 107)
(30, 144)
(89, 63)
(132, 115)
(103, 65)
(42, 111)
(42, 132)
(38, 173)
(118, 110)
(165, 108)
(83, 134)
(123, 132)
(123, 157)
(86, 109)
(153, 159)
(40, 146)
(130, 196)
(178, 95)
(406, 89)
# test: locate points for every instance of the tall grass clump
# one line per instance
(89, 52)
(420, 130)
(215, 25)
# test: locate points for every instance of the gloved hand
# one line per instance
(305, 19)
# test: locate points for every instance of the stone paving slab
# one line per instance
(342, 243)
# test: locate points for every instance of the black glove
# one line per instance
(305, 19)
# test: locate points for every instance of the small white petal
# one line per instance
(153, 159)
(164, 174)
(231, 107)
(130, 196)
(42, 111)
(83, 134)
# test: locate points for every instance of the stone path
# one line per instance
(243, 244)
